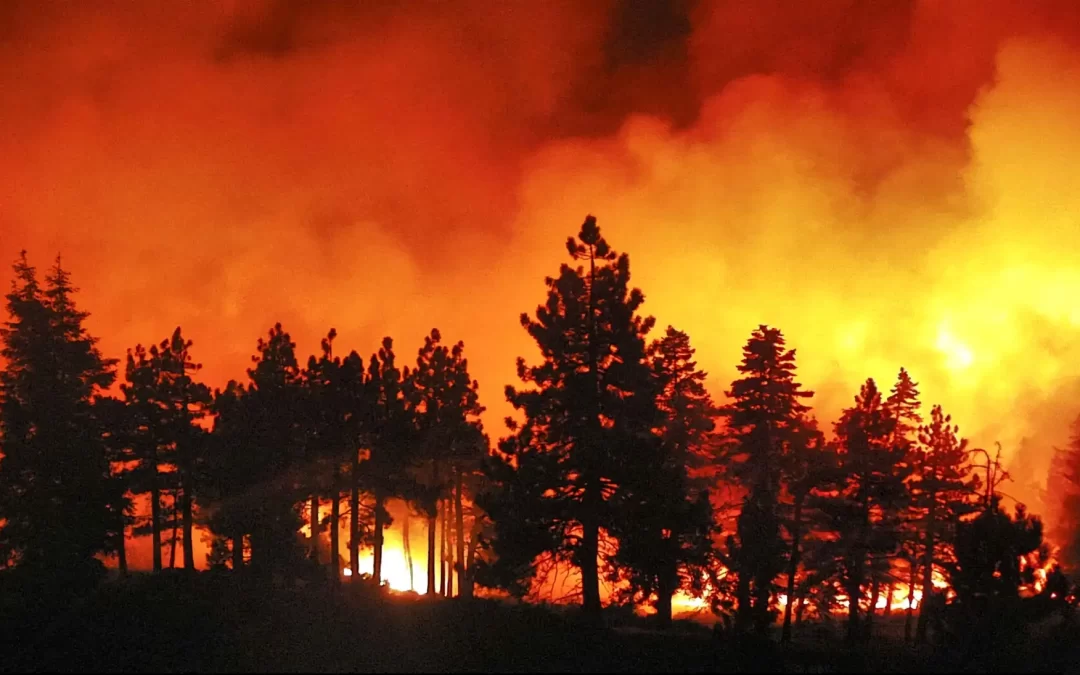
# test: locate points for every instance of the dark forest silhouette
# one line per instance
(621, 466)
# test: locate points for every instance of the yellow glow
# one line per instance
(958, 355)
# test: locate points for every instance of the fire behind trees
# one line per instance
(619, 465)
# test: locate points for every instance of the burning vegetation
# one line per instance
(621, 482)
(889, 182)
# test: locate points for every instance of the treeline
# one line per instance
(244, 461)
(619, 464)
(625, 468)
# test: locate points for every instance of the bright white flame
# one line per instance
(958, 356)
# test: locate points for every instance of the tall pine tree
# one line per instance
(870, 483)
(903, 405)
(764, 417)
(943, 490)
(167, 405)
(55, 475)
(447, 411)
(583, 416)
(390, 432)
(665, 534)
(808, 464)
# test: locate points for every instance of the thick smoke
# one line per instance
(888, 182)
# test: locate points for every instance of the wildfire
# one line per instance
(1041, 569)
(400, 570)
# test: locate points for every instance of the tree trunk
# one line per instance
(459, 517)
(155, 519)
(406, 545)
(853, 593)
(448, 538)
(175, 531)
(189, 531)
(743, 611)
(237, 551)
(664, 592)
(761, 605)
(928, 572)
(354, 518)
(442, 551)
(889, 590)
(474, 543)
(380, 524)
(315, 530)
(875, 593)
(335, 533)
(593, 498)
(793, 567)
(908, 619)
(432, 526)
(590, 545)
(432, 523)
(121, 551)
(799, 610)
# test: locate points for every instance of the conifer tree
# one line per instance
(331, 438)
(665, 535)
(989, 549)
(585, 417)
(358, 397)
(147, 438)
(231, 471)
(256, 447)
(870, 486)
(764, 417)
(808, 464)
(446, 408)
(943, 489)
(112, 417)
(391, 430)
(166, 406)
(275, 401)
(1063, 488)
(56, 486)
(903, 405)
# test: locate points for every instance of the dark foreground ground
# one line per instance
(208, 623)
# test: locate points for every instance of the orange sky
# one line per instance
(888, 182)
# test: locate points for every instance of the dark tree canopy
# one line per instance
(764, 418)
(586, 413)
(55, 487)
(665, 533)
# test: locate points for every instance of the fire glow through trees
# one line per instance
(896, 191)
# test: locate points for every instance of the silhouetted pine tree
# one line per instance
(808, 464)
(358, 396)
(585, 417)
(1063, 491)
(763, 419)
(988, 551)
(870, 486)
(231, 471)
(275, 402)
(55, 480)
(446, 408)
(166, 406)
(142, 374)
(112, 418)
(256, 448)
(943, 489)
(665, 532)
(903, 405)
(390, 433)
(329, 443)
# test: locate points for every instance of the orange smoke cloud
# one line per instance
(887, 182)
